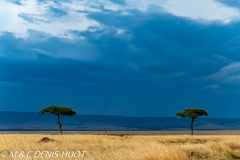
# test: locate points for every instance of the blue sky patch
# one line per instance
(58, 12)
(18, 2)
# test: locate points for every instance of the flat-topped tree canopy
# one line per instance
(65, 111)
(56, 110)
(192, 113)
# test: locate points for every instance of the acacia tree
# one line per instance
(56, 110)
(192, 113)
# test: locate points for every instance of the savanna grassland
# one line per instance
(119, 147)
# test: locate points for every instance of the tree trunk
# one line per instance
(60, 125)
(192, 126)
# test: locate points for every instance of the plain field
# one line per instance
(120, 145)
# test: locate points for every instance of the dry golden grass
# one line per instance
(128, 147)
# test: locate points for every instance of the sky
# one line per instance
(121, 57)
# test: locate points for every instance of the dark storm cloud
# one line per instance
(39, 43)
(163, 41)
(130, 63)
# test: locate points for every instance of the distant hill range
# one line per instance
(31, 121)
